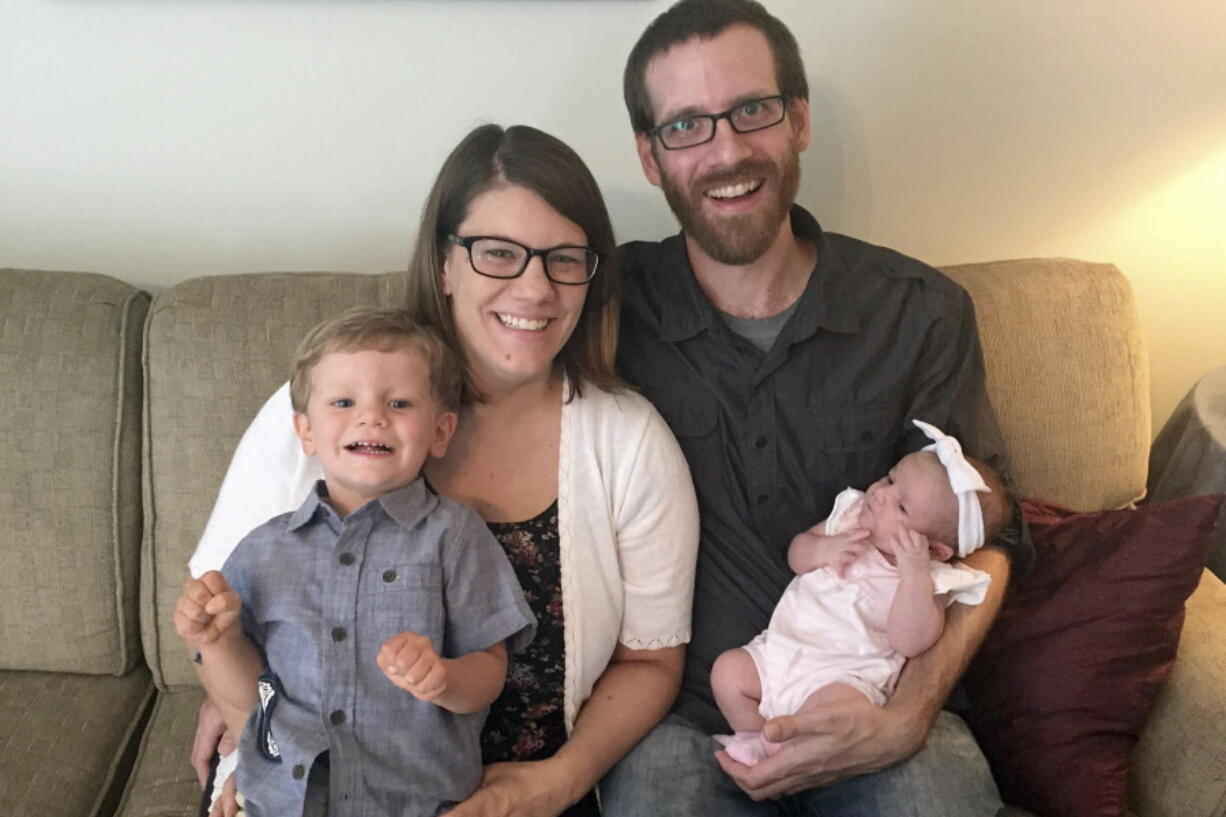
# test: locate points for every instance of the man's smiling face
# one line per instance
(732, 194)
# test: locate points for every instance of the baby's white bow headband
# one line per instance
(965, 481)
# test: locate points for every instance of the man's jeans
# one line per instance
(673, 773)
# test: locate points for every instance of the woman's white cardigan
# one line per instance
(627, 522)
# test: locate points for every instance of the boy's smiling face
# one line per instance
(372, 420)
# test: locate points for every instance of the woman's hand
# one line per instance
(211, 738)
(227, 804)
(538, 788)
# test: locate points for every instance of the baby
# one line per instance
(871, 589)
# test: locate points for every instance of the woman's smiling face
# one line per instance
(512, 329)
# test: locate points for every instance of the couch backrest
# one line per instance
(69, 471)
(1067, 375)
(216, 348)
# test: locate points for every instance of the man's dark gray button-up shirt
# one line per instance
(876, 340)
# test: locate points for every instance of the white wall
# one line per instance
(156, 140)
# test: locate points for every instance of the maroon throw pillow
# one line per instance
(1063, 682)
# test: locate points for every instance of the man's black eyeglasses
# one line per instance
(496, 257)
(699, 128)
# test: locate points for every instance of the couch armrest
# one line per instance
(1179, 765)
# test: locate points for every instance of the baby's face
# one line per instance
(372, 420)
(915, 494)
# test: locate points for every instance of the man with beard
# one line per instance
(789, 362)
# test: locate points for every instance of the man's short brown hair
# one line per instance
(706, 19)
(364, 328)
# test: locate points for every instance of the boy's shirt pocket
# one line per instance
(395, 597)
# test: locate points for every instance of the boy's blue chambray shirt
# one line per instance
(320, 597)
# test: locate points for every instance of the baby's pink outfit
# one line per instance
(827, 629)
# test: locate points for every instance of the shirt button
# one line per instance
(760, 442)
(389, 576)
(298, 772)
(337, 717)
(338, 633)
(763, 499)
(346, 558)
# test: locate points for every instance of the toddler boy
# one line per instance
(372, 589)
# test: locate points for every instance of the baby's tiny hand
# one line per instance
(207, 608)
(911, 551)
(410, 662)
(839, 550)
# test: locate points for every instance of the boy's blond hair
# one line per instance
(365, 328)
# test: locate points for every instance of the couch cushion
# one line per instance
(1064, 335)
(217, 348)
(64, 740)
(163, 783)
(69, 471)
(1082, 646)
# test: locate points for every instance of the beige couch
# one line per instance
(106, 488)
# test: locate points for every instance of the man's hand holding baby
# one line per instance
(410, 662)
(814, 548)
(207, 609)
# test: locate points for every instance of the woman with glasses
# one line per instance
(577, 477)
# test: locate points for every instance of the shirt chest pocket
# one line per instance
(404, 596)
(857, 441)
(690, 413)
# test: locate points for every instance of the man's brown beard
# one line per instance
(740, 239)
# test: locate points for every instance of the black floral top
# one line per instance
(526, 721)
